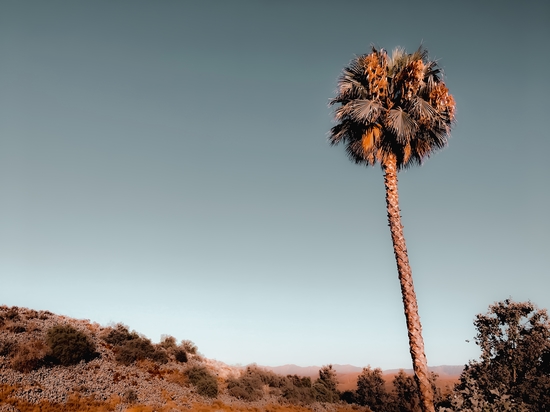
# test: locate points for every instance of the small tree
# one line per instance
(514, 369)
(325, 387)
(371, 391)
(406, 393)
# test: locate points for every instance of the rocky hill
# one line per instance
(50, 362)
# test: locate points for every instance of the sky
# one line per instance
(165, 165)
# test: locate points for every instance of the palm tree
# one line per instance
(395, 111)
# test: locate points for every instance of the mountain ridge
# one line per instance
(292, 369)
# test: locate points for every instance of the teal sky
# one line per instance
(165, 164)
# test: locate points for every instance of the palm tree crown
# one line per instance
(392, 106)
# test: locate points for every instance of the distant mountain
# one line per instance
(443, 370)
(309, 370)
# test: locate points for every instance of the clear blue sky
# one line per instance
(165, 164)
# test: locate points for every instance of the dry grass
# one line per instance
(77, 403)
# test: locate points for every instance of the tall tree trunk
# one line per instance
(416, 343)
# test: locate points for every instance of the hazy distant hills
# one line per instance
(442, 371)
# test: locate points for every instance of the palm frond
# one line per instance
(365, 110)
(401, 125)
(422, 111)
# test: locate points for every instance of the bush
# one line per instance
(180, 355)
(134, 350)
(129, 347)
(120, 335)
(69, 346)
(249, 386)
(204, 381)
(189, 347)
(298, 390)
(7, 347)
(29, 356)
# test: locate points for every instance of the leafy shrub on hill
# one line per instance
(168, 342)
(189, 347)
(7, 347)
(129, 347)
(180, 352)
(180, 355)
(119, 335)
(204, 381)
(28, 356)
(139, 349)
(69, 346)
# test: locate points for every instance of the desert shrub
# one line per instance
(169, 346)
(134, 350)
(168, 342)
(204, 381)
(180, 355)
(159, 355)
(296, 389)
(189, 347)
(249, 386)
(119, 335)
(29, 356)
(7, 347)
(139, 349)
(69, 346)
(32, 314)
(12, 313)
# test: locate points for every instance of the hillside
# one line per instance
(50, 362)
(56, 363)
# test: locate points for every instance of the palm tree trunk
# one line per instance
(416, 343)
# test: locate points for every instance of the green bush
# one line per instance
(133, 350)
(296, 389)
(69, 346)
(120, 335)
(204, 381)
(247, 387)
